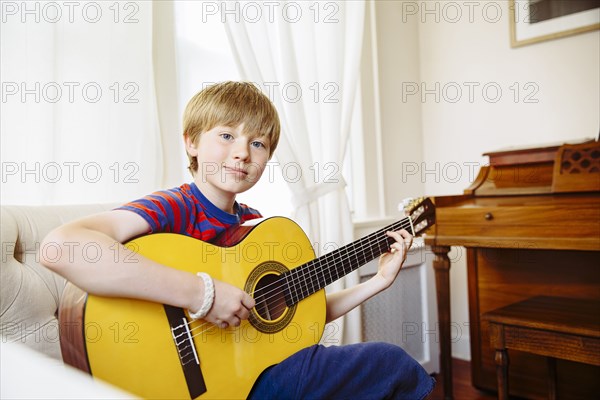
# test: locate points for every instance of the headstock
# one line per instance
(421, 211)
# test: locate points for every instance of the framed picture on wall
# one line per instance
(533, 21)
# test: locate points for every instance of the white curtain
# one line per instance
(306, 56)
(80, 121)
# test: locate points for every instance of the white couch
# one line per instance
(30, 293)
(31, 364)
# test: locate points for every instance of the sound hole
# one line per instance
(267, 285)
(269, 297)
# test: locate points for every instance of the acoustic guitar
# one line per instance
(155, 351)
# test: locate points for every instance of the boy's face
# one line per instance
(229, 161)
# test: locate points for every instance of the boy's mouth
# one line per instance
(235, 170)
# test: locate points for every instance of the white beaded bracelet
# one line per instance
(209, 297)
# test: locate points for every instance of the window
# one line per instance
(204, 57)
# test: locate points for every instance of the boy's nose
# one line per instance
(240, 151)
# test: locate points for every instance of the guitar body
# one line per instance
(130, 343)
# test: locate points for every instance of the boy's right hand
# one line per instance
(230, 307)
(134, 276)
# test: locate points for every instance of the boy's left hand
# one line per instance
(339, 303)
(391, 262)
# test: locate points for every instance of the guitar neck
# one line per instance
(313, 276)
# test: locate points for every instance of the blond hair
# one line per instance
(231, 104)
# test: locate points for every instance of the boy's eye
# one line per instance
(227, 136)
(258, 145)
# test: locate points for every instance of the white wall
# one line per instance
(387, 63)
(549, 93)
(564, 72)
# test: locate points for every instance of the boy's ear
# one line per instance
(190, 146)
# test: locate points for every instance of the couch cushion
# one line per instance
(30, 294)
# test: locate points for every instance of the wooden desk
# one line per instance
(531, 226)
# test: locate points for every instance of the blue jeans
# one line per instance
(359, 371)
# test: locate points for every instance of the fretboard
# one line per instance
(313, 276)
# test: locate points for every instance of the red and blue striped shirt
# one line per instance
(185, 210)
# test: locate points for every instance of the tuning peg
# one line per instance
(409, 204)
(406, 204)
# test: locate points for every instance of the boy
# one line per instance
(230, 132)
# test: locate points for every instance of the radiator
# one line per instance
(406, 314)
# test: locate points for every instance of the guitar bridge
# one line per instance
(183, 342)
(187, 337)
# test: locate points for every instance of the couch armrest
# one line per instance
(30, 293)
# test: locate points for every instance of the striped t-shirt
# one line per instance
(185, 210)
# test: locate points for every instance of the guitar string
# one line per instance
(355, 251)
(340, 261)
(366, 242)
(299, 283)
(322, 263)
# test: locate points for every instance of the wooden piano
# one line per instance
(530, 223)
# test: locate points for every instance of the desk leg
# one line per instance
(441, 265)
(551, 378)
(501, 359)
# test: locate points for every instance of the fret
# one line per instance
(287, 292)
(334, 274)
(315, 275)
(354, 261)
(292, 285)
(331, 279)
(360, 256)
(348, 264)
(308, 275)
(346, 256)
(322, 279)
(299, 285)
(311, 274)
(315, 278)
(303, 281)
